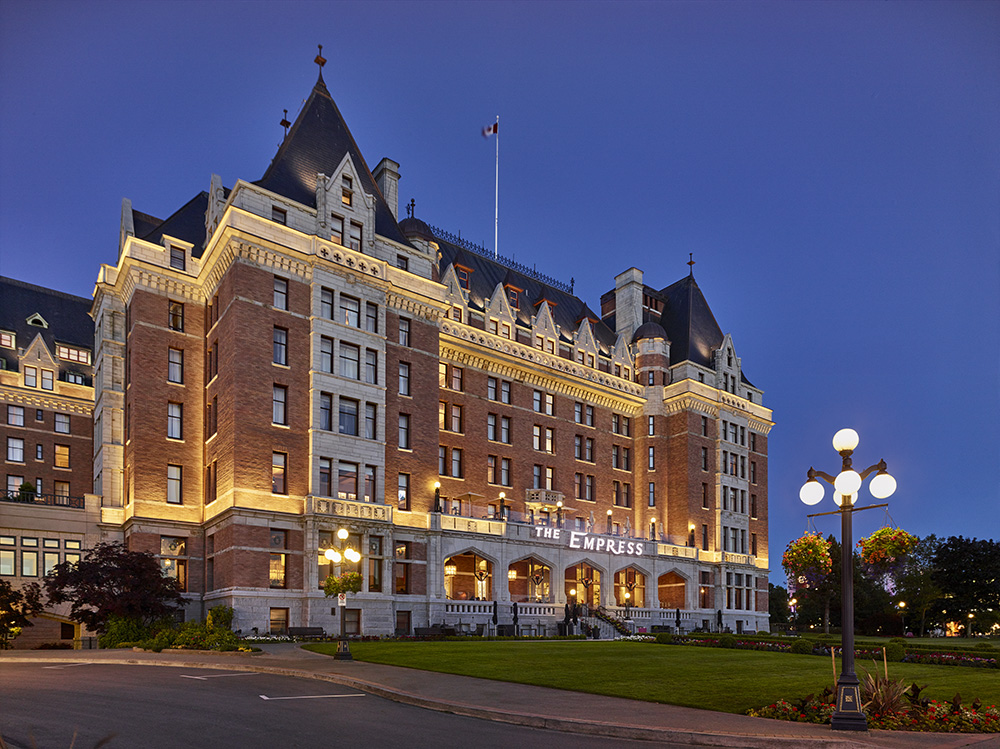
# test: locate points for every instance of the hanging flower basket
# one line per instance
(886, 546)
(349, 582)
(807, 559)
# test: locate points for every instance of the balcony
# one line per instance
(44, 500)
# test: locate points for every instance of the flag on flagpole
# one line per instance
(490, 130)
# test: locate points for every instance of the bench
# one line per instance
(307, 633)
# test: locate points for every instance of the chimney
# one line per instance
(628, 302)
(387, 179)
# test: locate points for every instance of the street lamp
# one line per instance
(503, 505)
(902, 615)
(848, 715)
(336, 556)
(437, 497)
(559, 508)
(609, 523)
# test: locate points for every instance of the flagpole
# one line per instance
(496, 194)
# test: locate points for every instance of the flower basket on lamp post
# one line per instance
(808, 559)
(886, 548)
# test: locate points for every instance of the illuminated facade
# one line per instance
(284, 358)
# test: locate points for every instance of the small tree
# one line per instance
(112, 581)
(16, 609)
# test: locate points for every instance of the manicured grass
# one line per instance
(711, 678)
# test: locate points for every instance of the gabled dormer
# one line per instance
(498, 314)
(457, 296)
(38, 366)
(727, 366)
(544, 334)
(178, 252)
(345, 213)
(621, 359)
(585, 343)
(38, 321)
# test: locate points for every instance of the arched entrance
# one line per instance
(672, 591)
(468, 577)
(583, 585)
(530, 580)
(630, 586)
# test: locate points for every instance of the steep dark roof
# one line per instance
(317, 143)
(649, 330)
(567, 310)
(187, 223)
(690, 324)
(68, 317)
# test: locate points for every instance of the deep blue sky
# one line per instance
(834, 168)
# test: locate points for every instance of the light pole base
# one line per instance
(848, 716)
(343, 651)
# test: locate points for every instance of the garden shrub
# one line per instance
(894, 651)
(219, 618)
(802, 647)
(664, 638)
(727, 641)
(983, 646)
(120, 630)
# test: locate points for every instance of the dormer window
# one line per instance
(177, 257)
(512, 297)
(38, 321)
(539, 342)
(347, 191)
(494, 326)
(7, 339)
(69, 353)
(463, 277)
(279, 215)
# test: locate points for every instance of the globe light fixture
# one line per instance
(333, 555)
(849, 715)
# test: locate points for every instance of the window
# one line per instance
(371, 367)
(326, 354)
(491, 427)
(371, 317)
(463, 277)
(588, 450)
(175, 421)
(371, 420)
(492, 475)
(15, 449)
(402, 262)
(347, 191)
(278, 621)
(753, 544)
(175, 318)
(456, 463)
(175, 365)
(457, 374)
(404, 378)
(48, 379)
(74, 377)
(29, 563)
(753, 506)
(336, 229)
(455, 424)
(212, 425)
(404, 432)
(62, 423)
(7, 562)
(350, 311)
(536, 476)
(505, 472)
(704, 426)
(650, 378)
(704, 458)
(213, 361)
(652, 494)
(61, 489)
(651, 462)
(588, 418)
(404, 331)
(69, 353)
(356, 231)
(15, 416)
(544, 403)
(279, 405)
(704, 496)
(616, 421)
(276, 574)
(347, 481)
(512, 297)
(60, 455)
(626, 459)
(7, 339)
(326, 411)
(650, 425)
(753, 471)
(279, 463)
(325, 477)
(326, 303)
(348, 416)
(578, 447)
(278, 215)
(403, 491)
(39, 453)
(704, 537)
(350, 361)
(375, 564)
(177, 257)
(174, 475)
(280, 293)
(173, 563)
(280, 353)
(492, 388)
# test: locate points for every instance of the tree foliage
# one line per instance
(112, 581)
(968, 573)
(777, 604)
(16, 609)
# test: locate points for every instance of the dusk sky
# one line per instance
(833, 167)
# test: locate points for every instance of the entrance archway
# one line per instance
(583, 585)
(630, 585)
(468, 577)
(672, 591)
(530, 580)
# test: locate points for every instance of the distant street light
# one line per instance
(902, 615)
(336, 556)
(848, 715)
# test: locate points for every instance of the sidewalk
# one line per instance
(526, 705)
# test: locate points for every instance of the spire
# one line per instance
(691, 264)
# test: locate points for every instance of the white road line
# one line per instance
(214, 676)
(69, 665)
(310, 697)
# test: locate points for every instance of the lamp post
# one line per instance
(336, 556)
(848, 715)
(609, 523)
(559, 508)
(503, 505)
(791, 608)
(902, 615)
(437, 496)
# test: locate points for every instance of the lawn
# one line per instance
(711, 678)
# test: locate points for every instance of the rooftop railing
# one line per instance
(48, 500)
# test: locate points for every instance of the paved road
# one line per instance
(79, 705)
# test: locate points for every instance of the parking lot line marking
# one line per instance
(214, 676)
(310, 696)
